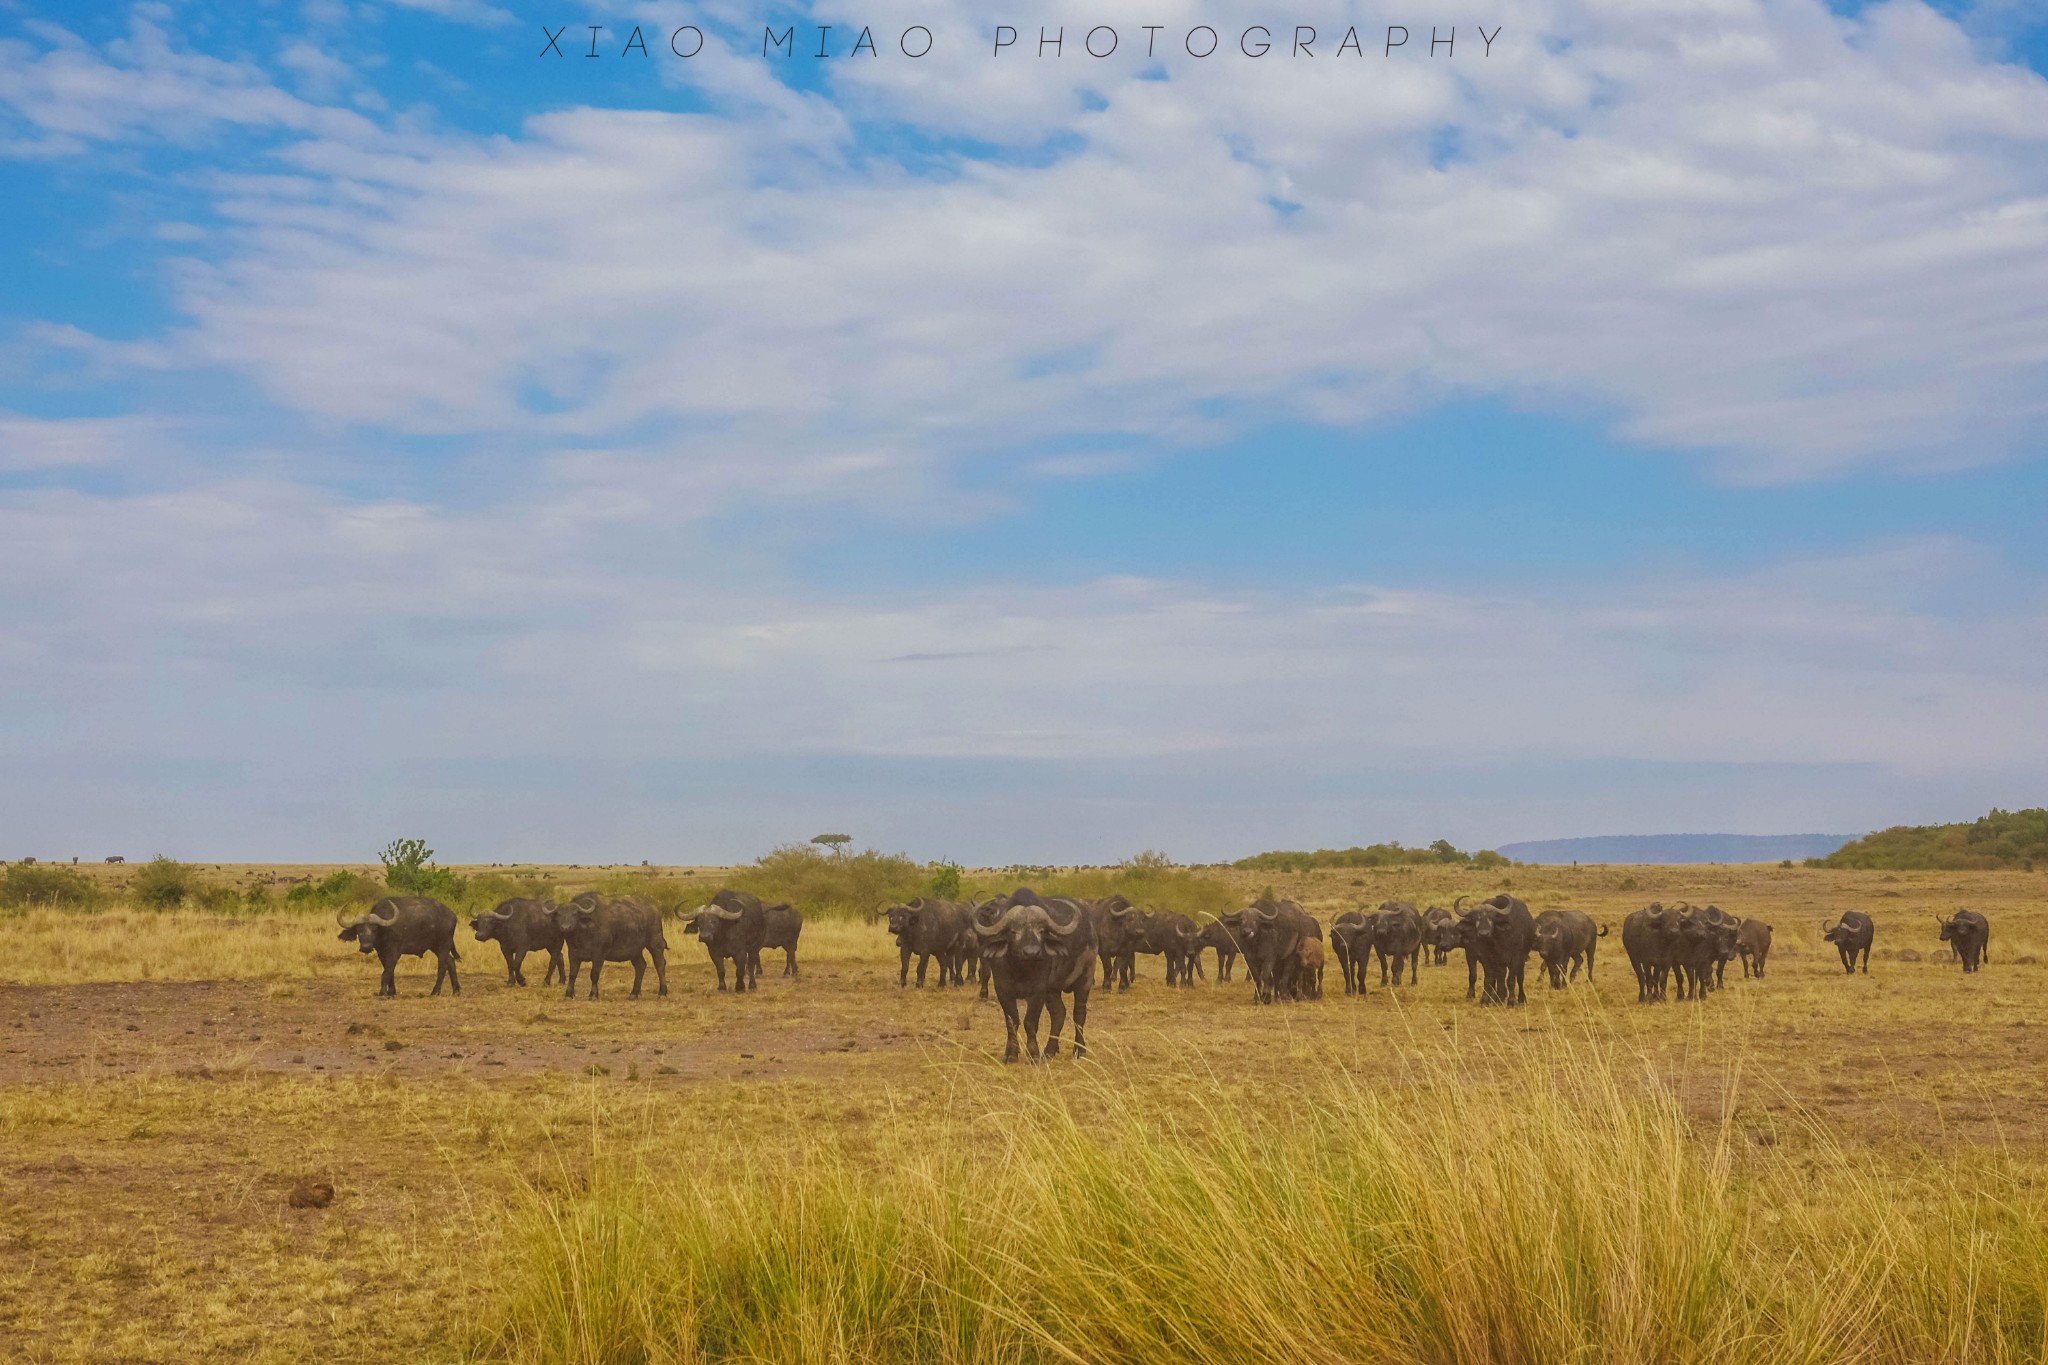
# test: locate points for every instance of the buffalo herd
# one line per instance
(1038, 953)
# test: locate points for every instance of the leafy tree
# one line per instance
(945, 883)
(409, 870)
(836, 842)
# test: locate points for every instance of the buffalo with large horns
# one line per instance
(1397, 938)
(731, 926)
(1969, 934)
(599, 929)
(928, 928)
(520, 926)
(1037, 949)
(1565, 939)
(1272, 931)
(1120, 928)
(405, 926)
(1852, 935)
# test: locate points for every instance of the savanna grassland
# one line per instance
(1810, 1167)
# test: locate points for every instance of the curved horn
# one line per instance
(722, 912)
(1456, 904)
(1071, 927)
(999, 925)
(1826, 928)
(374, 918)
(495, 914)
(341, 918)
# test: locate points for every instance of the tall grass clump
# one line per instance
(1560, 1216)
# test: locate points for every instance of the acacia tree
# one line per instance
(836, 842)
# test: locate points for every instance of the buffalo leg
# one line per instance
(555, 968)
(575, 966)
(596, 966)
(1471, 974)
(511, 965)
(1080, 1020)
(1009, 1004)
(902, 971)
(446, 959)
(389, 985)
(1058, 1009)
(639, 974)
(789, 962)
(1031, 1014)
(660, 956)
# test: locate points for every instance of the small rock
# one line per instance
(134, 1028)
(393, 1045)
(1908, 955)
(310, 1193)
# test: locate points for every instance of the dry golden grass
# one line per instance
(486, 1149)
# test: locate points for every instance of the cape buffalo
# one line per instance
(1753, 942)
(1435, 920)
(1036, 950)
(1498, 936)
(733, 925)
(405, 926)
(1969, 934)
(1397, 936)
(1271, 932)
(783, 926)
(1351, 940)
(520, 926)
(599, 929)
(930, 929)
(1650, 938)
(1705, 941)
(1566, 938)
(1119, 928)
(1851, 934)
(1171, 935)
(1308, 972)
(1219, 933)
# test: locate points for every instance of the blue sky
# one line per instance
(1635, 430)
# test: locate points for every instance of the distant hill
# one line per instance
(2004, 838)
(1676, 848)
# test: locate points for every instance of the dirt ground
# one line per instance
(151, 1131)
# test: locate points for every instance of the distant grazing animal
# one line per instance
(783, 926)
(1435, 920)
(405, 926)
(1119, 928)
(1397, 937)
(1566, 939)
(1272, 931)
(1851, 934)
(1308, 973)
(1351, 942)
(1753, 942)
(732, 926)
(520, 926)
(1969, 934)
(117, 858)
(599, 929)
(1171, 935)
(1038, 949)
(927, 929)
(1219, 933)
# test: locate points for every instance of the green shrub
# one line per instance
(163, 883)
(334, 891)
(821, 883)
(24, 885)
(2001, 839)
(409, 871)
(1372, 855)
(945, 882)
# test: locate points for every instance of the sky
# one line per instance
(1632, 424)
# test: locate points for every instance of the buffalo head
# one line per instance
(487, 924)
(1025, 933)
(363, 929)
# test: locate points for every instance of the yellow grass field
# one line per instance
(1810, 1167)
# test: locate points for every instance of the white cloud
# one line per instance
(1802, 241)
